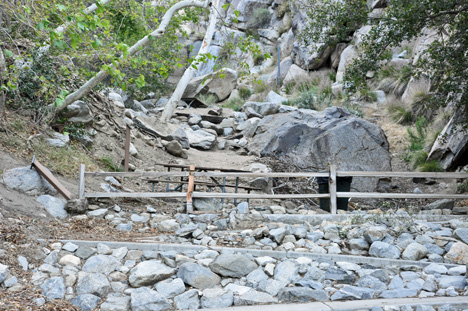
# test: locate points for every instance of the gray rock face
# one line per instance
(371, 282)
(101, 264)
(198, 276)
(78, 112)
(27, 180)
(171, 288)
(116, 303)
(399, 293)
(286, 271)
(175, 148)
(206, 204)
(59, 141)
(216, 298)
(86, 302)
(235, 266)
(440, 204)
(92, 283)
(384, 250)
(254, 297)
(301, 294)
(314, 139)
(353, 292)
(458, 282)
(263, 109)
(277, 234)
(375, 233)
(462, 234)
(337, 274)
(414, 251)
(200, 139)
(284, 68)
(145, 299)
(54, 288)
(149, 272)
(346, 57)
(309, 58)
(458, 253)
(208, 67)
(181, 137)
(212, 84)
(188, 300)
(53, 205)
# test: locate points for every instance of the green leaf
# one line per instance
(140, 81)
(8, 53)
(236, 13)
(226, 6)
(61, 7)
(81, 26)
(96, 44)
(74, 42)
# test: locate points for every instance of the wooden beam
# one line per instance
(402, 174)
(255, 175)
(332, 189)
(81, 185)
(377, 195)
(137, 174)
(257, 196)
(136, 195)
(44, 172)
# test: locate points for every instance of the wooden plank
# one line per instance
(44, 172)
(190, 188)
(210, 118)
(136, 195)
(255, 175)
(137, 174)
(201, 183)
(402, 174)
(81, 185)
(377, 195)
(127, 148)
(257, 196)
(332, 189)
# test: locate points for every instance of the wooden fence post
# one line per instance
(332, 189)
(127, 148)
(81, 186)
(191, 183)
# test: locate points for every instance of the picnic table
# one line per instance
(179, 184)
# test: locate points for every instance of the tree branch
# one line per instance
(100, 76)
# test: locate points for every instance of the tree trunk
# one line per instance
(88, 86)
(190, 71)
(2, 92)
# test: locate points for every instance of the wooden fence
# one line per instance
(332, 175)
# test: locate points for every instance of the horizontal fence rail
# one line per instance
(332, 176)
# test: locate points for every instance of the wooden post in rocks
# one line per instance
(191, 183)
(81, 185)
(127, 148)
(332, 189)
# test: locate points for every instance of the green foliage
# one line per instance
(208, 99)
(400, 114)
(444, 62)
(261, 17)
(421, 106)
(283, 9)
(234, 103)
(111, 164)
(430, 166)
(245, 92)
(417, 138)
(394, 81)
(463, 186)
(366, 94)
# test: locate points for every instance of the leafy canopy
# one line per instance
(445, 61)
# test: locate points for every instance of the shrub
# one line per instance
(431, 166)
(245, 93)
(261, 17)
(234, 103)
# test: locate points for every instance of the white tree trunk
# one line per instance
(190, 71)
(85, 88)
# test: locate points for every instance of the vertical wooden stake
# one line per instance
(191, 183)
(127, 148)
(332, 189)
(81, 186)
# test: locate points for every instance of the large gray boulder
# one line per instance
(313, 139)
(284, 68)
(54, 288)
(347, 56)
(92, 283)
(310, 57)
(101, 264)
(148, 273)
(246, 10)
(28, 181)
(262, 108)
(86, 302)
(78, 112)
(219, 84)
(200, 139)
(53, 205)
(235, 266)
(198, 276)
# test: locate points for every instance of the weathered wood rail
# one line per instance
(332, 176)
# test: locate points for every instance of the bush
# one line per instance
(431, 166)
(245, 93)
(234, 103)
(261, 17)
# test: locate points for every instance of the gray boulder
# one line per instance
(208, 67)
(181, 137)
(414, 251)
(206, 204)
(200, 139)
(217, 298)
(286, 271)
(188, 300)
(53, 205)
(171, 288)
(213, 84)
(462, 234)
(54, 288)
(295, 74)
(346, 58)
(4, 272)
(302, 294)
(313, 139)
(235, 266)
(384, 250)
(310, 57)
(145, 299)
(263, 109)
(353, 292)
(92, 283)
(254, 297)
(116, 303)
(101, 264)
(198, 276)
(337, 274)
(440, 204)
(59, 141)
(284, 68)
(28, 181)
(78, 112)
(149, 272)
(86, 302)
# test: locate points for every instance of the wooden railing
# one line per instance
(332, 176)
